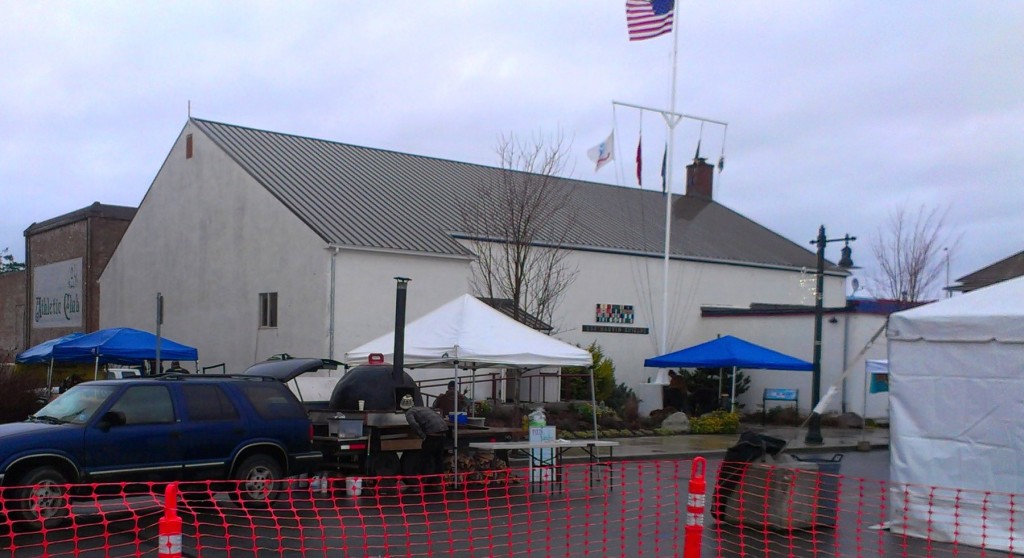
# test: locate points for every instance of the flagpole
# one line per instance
(663, 342)
(640, 26)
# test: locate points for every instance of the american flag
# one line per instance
(647, 19)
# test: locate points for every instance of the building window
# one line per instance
(268, 309)
(188, 146)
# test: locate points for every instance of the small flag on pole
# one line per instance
(639, 162)
(664, 163)
(646, 19)
(602, 152)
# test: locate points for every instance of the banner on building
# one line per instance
(57, 294)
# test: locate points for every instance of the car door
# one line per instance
(146, 447)
(212, 429)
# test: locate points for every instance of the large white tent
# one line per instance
(956, 380)
(470, 334)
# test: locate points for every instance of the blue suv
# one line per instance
(165, 428)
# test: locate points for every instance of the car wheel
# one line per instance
(260, 481)
(40, 500)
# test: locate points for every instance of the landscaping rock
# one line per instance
(849, 420)
(676, 422)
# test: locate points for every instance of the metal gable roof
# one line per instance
(371, 198)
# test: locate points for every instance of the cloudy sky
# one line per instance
(839, 113)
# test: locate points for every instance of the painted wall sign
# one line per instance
(57, 288)
(614, 314)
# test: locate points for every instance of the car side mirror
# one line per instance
(112, 418)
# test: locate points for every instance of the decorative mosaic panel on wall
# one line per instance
(614, 314)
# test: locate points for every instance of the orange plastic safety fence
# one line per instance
(798, 509)
(628, 508)
(572, 510)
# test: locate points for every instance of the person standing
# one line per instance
(677, 392)
(445, 403)
(176, 368)
(433, 430)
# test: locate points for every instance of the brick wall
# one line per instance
(12, 313)
(104, 235)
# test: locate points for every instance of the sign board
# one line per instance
(780, 394)
(777, 394)
(542, 460)
(57, 289)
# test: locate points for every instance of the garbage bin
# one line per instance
(750, 448)
(786, 493)
(827, 489)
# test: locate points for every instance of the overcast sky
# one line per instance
(838, 112)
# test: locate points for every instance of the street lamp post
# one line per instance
(814, 423)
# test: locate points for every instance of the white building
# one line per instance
(264, 243)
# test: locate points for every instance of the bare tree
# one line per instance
(517, 224)
(909, 250)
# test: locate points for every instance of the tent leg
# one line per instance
(593, 400)
(49, 380)
(96, 369)
(455, 425)
(732, 398)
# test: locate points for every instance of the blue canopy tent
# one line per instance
(43, 352)
(732, 352)
(121, 345)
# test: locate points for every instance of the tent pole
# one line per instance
(593, 400)
(732, 398)
(864, 412)
(49, 380)
(455, 421)
(96, 369)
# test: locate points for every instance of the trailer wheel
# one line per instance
(415, 464)
(385, 465)
(388, 467)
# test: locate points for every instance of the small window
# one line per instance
(208, 403)
(268, 309)
(188, 146)
(146, 405)
(272, 400)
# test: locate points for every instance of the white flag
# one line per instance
(603, 152)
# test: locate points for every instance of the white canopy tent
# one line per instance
(467, 334)
(473, 335)
(956, 387)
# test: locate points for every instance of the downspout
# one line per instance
(330, 303)
(87, 283)
(846, 356)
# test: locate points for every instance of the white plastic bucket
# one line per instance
(354, 486)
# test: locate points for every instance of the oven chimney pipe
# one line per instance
(397, 372)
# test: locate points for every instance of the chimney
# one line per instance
(699, 175)
(398, 366)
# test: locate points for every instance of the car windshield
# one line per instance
(77, 405)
